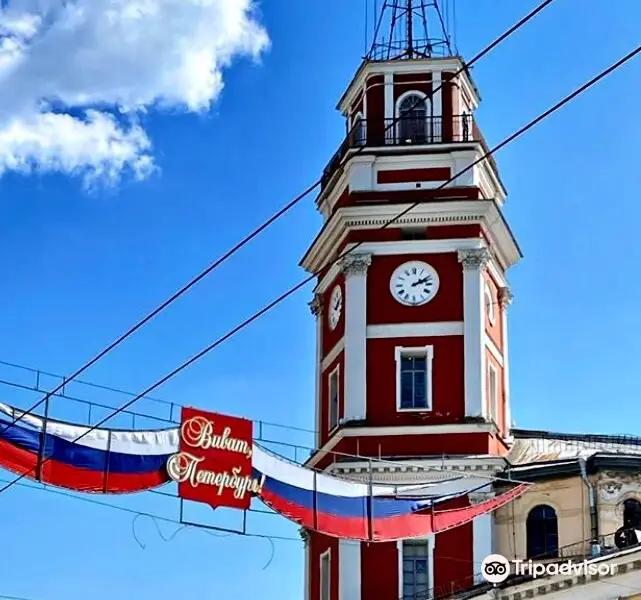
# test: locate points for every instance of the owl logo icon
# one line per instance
(495, 568)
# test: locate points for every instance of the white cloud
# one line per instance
(75, 73)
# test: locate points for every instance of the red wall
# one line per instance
(319, 544)
(421, 82)
(453, 555)
(379, 571)
(375, 109)
(447, 305)
(413, 175)
(447, 95)
(391, 234)
(448, 381)
(411, 196)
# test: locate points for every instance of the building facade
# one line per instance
(412, 366)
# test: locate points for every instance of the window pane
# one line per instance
(407, 395)
(419, 363)
(406, 363)
(420, 398)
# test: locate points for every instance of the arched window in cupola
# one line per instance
(359, 133)
(542, 530)
(412, 119)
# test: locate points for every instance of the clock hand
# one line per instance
(420, 281)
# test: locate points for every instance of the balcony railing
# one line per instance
(404, 131)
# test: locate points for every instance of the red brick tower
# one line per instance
(412, 359)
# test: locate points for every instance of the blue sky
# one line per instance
(80, 267)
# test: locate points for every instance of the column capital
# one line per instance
(355, 264)
(316, 305)
(304, 534)
(474, 259)
(505, 297)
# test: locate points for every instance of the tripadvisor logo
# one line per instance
(495, 568)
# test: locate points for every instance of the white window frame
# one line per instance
(490, 308)
(493, 399)
(419, 351)
(325, 586)
(336, 371)
(428, 113)
(430, 563)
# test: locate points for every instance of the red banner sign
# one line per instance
(214, 462)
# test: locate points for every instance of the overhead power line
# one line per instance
(262, 439)
(66, 396)
(292, 290)
(265, 225)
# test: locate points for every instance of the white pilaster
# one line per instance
(389, 97)
(437, 95)
(355, 269)
(473, 262)
(349, 570)
(307, 592)
(482, 536)
(505, 299)
(316, 306)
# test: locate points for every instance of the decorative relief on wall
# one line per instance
(474, 259)
(316, 305)
(616, 487)
(355, 264)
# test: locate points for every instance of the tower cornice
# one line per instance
(482, 212)
(436, 64)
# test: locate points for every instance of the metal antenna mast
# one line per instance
(410, 29)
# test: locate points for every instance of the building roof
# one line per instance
(543, 446)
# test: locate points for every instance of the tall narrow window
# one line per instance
(334, 395)
(412, 120)
(632, 514)
(358, 130)
(627, 536)
(414, 378)
(415, 569)
(325, 576)
(542, 530)
(493, 392)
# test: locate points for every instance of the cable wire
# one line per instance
(204, 529)
(295, 288)
(267, 223)
(380, 460)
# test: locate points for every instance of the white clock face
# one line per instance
(335, 307)
(414, 283)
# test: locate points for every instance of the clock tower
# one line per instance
(412, 366)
